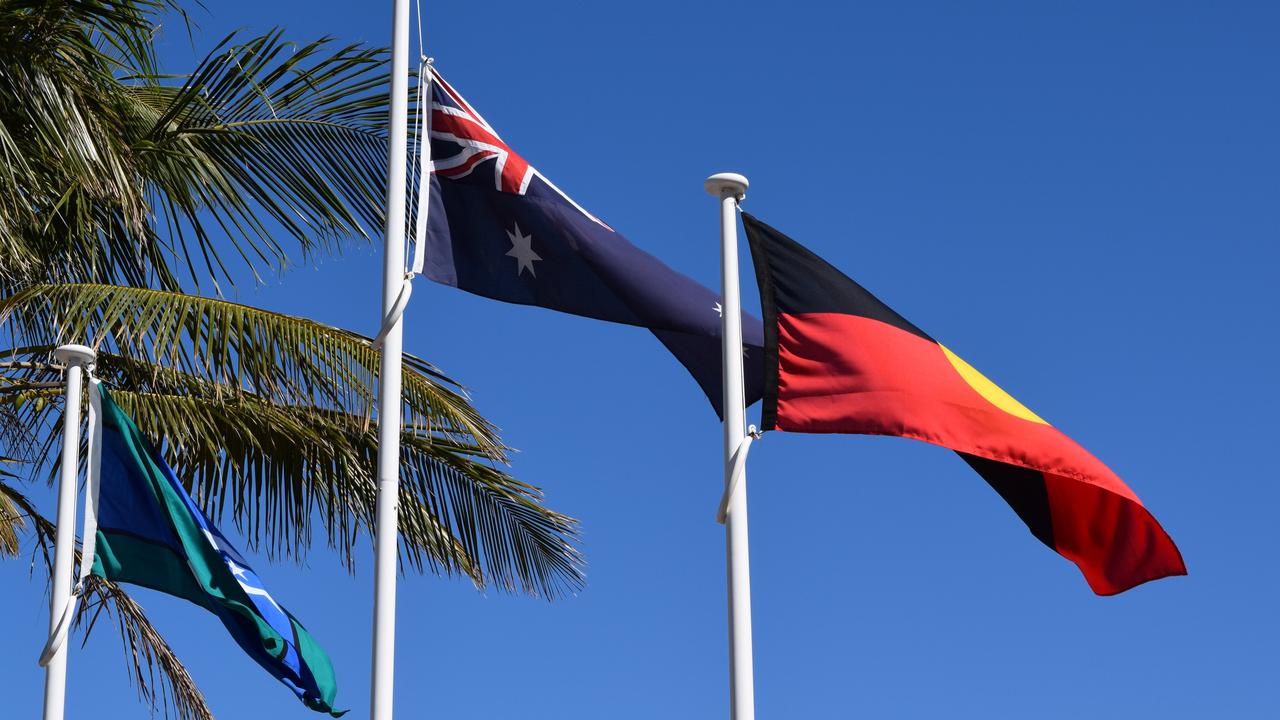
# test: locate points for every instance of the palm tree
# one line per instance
(124, 194)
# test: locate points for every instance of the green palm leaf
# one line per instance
(111, 170)
(267, 131)
(14, 515)
(270, 418)
(161, 678)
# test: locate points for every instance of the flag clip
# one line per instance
(737, 466)
(397, 310)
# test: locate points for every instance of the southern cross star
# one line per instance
(522, 250)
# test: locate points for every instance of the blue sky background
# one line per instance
(1079, 198)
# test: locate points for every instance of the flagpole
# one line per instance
(730, 188)
(74, 358)
(386, 544)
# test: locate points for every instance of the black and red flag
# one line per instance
(837, 360)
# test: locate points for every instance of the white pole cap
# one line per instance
(727, 185)
(75, 355)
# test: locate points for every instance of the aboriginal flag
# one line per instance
(837, 360)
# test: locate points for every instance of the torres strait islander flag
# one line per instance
(837, 360)
(151, 533)
(498, 228)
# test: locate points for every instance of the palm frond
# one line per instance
(61, 130)
(42, 529)
(29, 389)
(99, 33)
(112, 170)
(160, 677)
(13, 515)
(271, 420)
(268, 130)
(281, 358)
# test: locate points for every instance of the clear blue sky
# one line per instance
(1079, 198)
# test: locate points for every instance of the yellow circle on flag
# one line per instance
(989, 390)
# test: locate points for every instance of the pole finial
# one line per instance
(75, 355)
(727, 185)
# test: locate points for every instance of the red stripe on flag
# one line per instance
(841, 373)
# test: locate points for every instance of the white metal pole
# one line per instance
(730, 188)
(74, 358)
(386, 544)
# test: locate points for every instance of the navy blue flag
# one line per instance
(498, 228)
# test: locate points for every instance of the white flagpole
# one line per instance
(74, 358)
(386, 544)
(730, 188)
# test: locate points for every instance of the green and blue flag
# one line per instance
(151, 533)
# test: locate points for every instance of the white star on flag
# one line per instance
(522, 250)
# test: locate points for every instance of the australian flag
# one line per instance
(499, 228)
